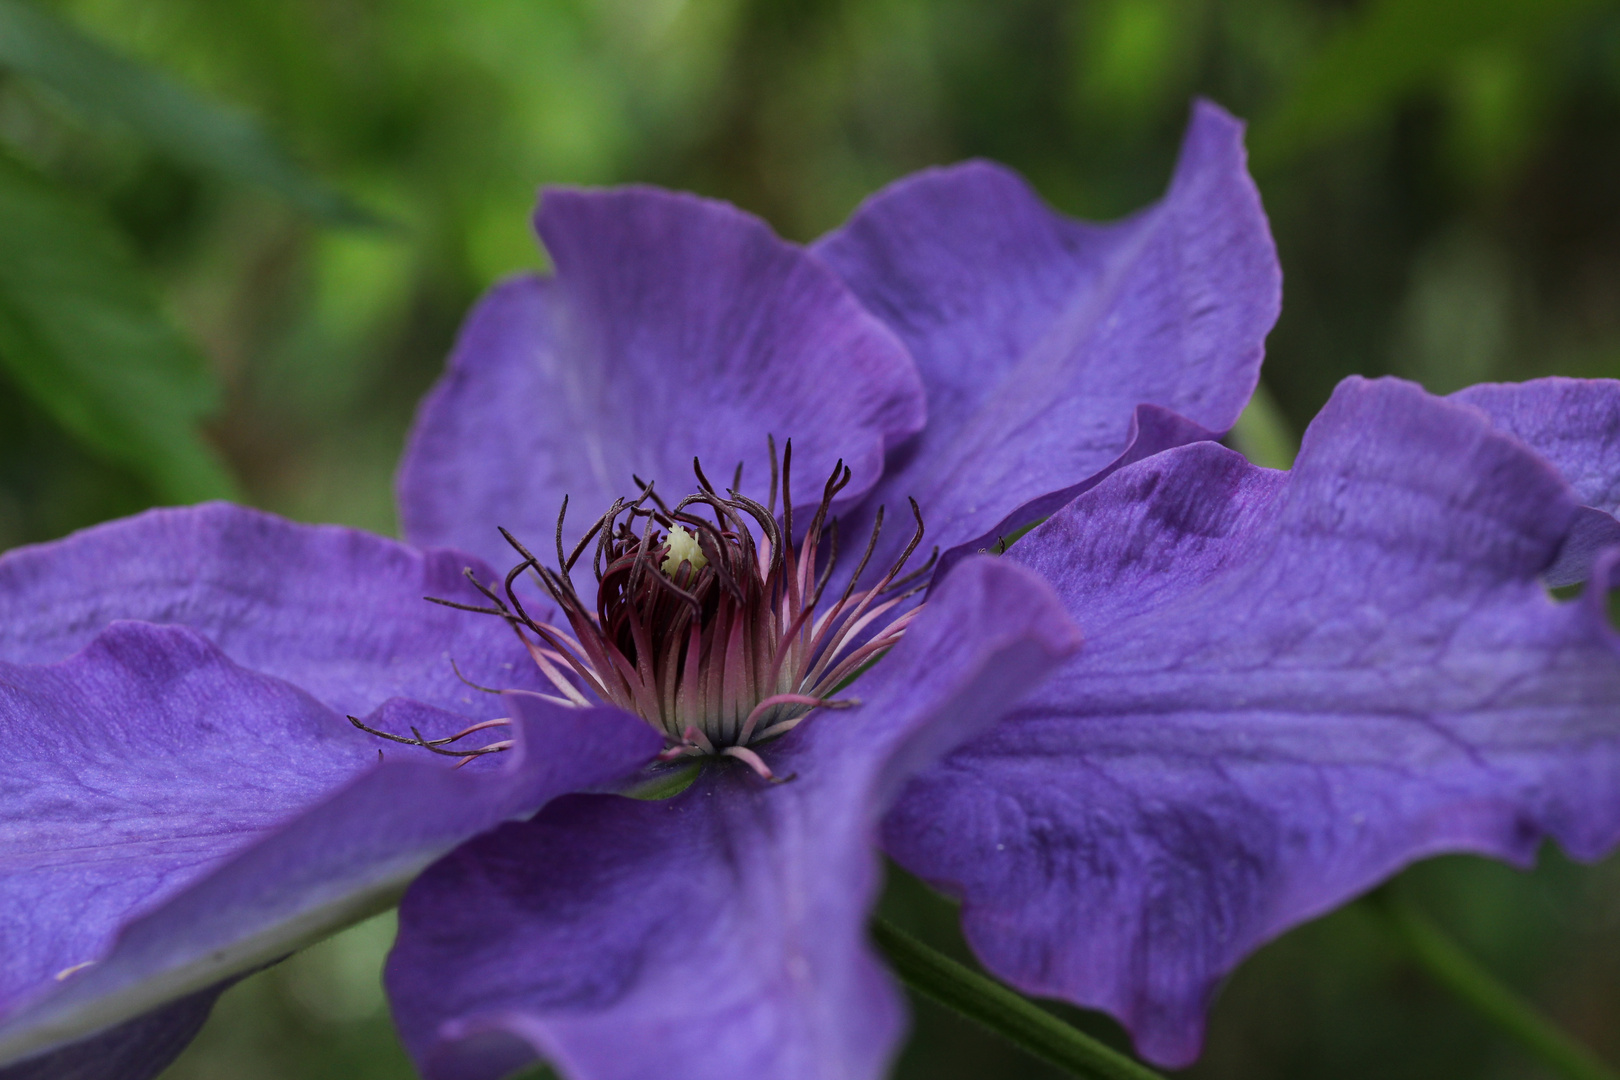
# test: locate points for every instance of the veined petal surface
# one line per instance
(1575, 424)
(1293, 684)
(720, 933)
(174, 819)
(675, 327)
(1038, 336)
(336, 611)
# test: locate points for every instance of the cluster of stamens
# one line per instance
(707, 622)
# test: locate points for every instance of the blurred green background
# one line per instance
(236, 240)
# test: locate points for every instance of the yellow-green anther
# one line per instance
(683, 547)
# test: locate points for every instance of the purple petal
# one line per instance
(335, 611)
(138, 1049)
(173, 819)
(1293, 684)
(1153, 430)
(719, 933)
(1592, 533)
(675, 326)
(1575, 424)
(1038, 336)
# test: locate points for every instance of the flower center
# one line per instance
(683, 548)
(708, 622)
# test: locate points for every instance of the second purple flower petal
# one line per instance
(1038, 336)
(1293, 685)
(675, 327)
(175, 820)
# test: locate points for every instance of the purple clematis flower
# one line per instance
(723, 929)
(1291, 684)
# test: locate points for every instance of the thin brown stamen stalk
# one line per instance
(437, 745)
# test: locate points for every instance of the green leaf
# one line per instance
(1388, 49)
(102, 83)
(1461, 974)
(1012, 1016)
(82, 333)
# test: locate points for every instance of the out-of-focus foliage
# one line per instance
(101, 83)
(1441, 175)
(1393, 47)
(80, 330)
(1262, 434)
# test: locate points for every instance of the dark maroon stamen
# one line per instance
(707, 620)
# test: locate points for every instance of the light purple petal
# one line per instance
(335, 611)
(675, 326)
(1038, 336)
(173, 819)
(1293, 684)
(1575, 424)
(720, 933)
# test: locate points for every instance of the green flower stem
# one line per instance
(1014, 1018)
(1458, 972)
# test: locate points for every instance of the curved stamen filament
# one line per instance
(437, 746)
